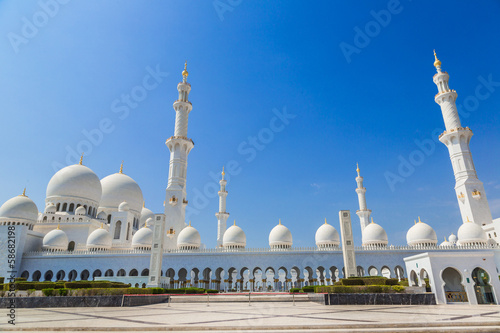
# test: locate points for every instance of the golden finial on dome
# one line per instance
(185, 72)
(144, 204)
(445, 239)
(234, 222)
(189, 223)
(415, 221)
(437, 63)
(468, 219)
(419, 220)
(58, 227)
(102, 226)
(24, 193)
(81, 159)
(325, 221)
(357, 169)
(121, 168)
(279, 222)
(372, 220)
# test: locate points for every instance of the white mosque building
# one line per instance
(93, 228)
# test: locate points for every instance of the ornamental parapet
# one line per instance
(242, 251)
(456, 130)
(180, 137)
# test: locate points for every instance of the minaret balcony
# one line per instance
(458, 129)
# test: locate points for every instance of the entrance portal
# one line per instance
(484, 291)
(453, 288)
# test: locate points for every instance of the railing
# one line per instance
(456, 296)
(235, 251)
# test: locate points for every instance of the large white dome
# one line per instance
(421, 234)
(143, 238)
(280, 237)
(189, 238)
(234, 237)
(471, 233)
(55, 240)
(99, 239)
(117, 188)
(76, 181)
(374, 235)
(327, 236)
(19, 207)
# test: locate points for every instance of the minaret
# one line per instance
(469, 190)
(363, 212)
(222, 215)
(179, 146)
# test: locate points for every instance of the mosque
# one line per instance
(93, 228)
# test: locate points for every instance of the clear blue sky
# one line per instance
(65, 73)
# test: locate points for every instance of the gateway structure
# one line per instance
(93, 228)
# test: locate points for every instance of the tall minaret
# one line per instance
(363, 212)
(179, 146)
(469, 189)
(222, 215)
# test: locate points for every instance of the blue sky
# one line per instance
(64, 73)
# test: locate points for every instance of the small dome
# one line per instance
(452, 239)
(55, 240)
(102, 216)
(327, 236)
(471, 233)
(123, 207)
(234, 237)
(143, 238)
(117, 188)
(75, 181)
(280, 237)
(374, 235)
(80, 211)
(50, 208)
(99, 239)
(189, 238)
(446, 243)
(19, 207)
(421, 234)
(145, 215)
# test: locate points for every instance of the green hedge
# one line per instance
(195, 291)
(308, 289)
(2, 280)
(34, 285)
(211, 291)
(352, 282)
(94, 284)
(296, 290)
(374, 289)
(392, 282)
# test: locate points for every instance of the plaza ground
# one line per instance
(260, 317)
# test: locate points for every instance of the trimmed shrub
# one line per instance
(375, 289)
(48, 291)
(62, 292)
(398, 289)
(375, 281)
(59, 285)
(295, 290)
(19, 279)
(352, 282)
(139, 291)
(175, 291)
(403, 282)
(308, 289)
(391, 282)
(119, 285)
(211, 291)
(195, 291)
(156, 290)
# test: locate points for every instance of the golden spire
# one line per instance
(185, 72)
(58, 227)
(437, 63)
(325, 221)
(445, 239)
(102, 226)
(419, 220)
(223, 173)
(234, 222)
(81, 159)
(279, 222)
(357, 169)
(415, 221)
(468, 219)
(189, 223)
(372, 220)
(144, 204)
(24, 193)
(121, 168)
